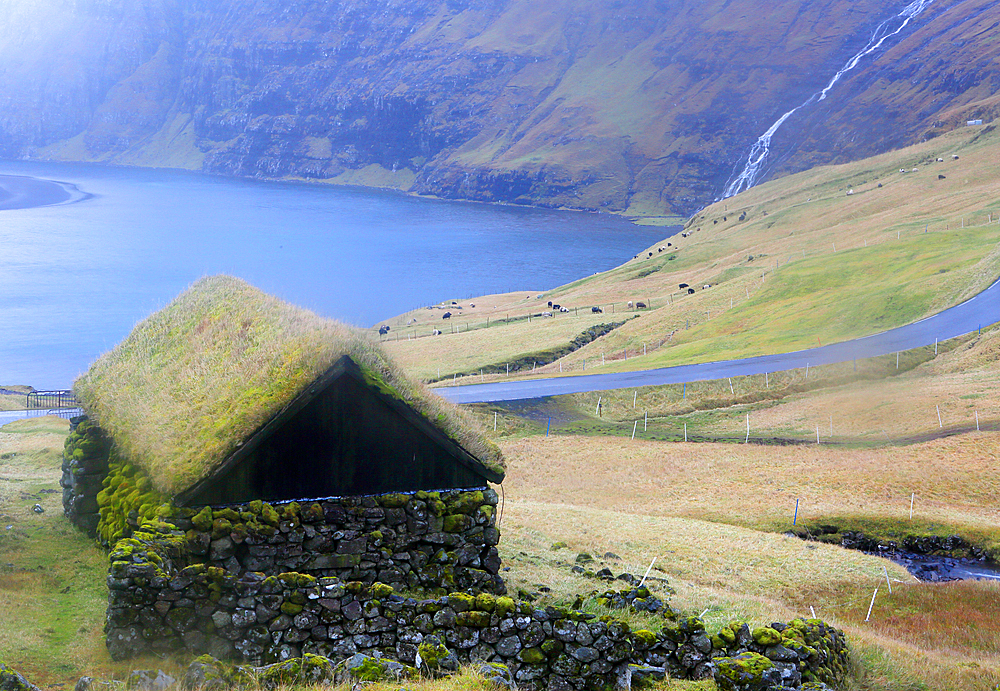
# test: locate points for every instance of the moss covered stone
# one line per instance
(299, 671)
(531, 656)
(380, 591)
(485, 602)
(473, 618)
(432, 654)
(457, 523)
(12, 680)
(765, 636)
(465, 502)
(504, 606)
(394, 501)
(743, 671)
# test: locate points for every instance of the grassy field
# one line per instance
(793, 263)
(711, 514)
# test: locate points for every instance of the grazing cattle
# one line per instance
(941, 177)
(715, 221)
(555, 307)
(383, 330)
(914, 170)
(546, 314)
(564, 309)
(707, 285)
(629, 303)
(954, 157)
(682, 286)
(435, 332)
(940, 160)
(902, 170)
(850, 192)
(880, 184)
(472, 304)
(690, 291)
(670, 244)
(446, 315)
(650, 254)
(659, 249)
(597, 310)
(412, 321)
(725, 218)
(550, 303)
(641, 305)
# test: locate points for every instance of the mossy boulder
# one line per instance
(307, 670)
(504, 606)
(362, 668)
(743, 672)
(765, 636)
(12, 680)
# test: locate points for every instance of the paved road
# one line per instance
(971, 315)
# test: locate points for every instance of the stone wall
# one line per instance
(437, 541)
(158, 605)
(84, 467)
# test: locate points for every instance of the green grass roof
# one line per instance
(199, 377)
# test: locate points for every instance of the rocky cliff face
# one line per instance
(640, 107)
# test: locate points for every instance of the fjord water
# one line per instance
(75, 278)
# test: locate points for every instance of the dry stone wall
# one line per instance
(440, 541)
(84, 467)
(159, 605)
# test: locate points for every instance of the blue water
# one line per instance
(75, 278)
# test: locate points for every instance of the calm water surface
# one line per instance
(75, 278)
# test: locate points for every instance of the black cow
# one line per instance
(446, 315)
(682, 286)
(555, 307)
(641, 305)
(596, 310)
(550, 303)
(383, 330)
(690, 291)
(650, 254)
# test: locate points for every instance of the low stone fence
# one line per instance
(158, 606)
(84, 467)
(430, 540)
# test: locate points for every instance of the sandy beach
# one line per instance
(22, 192)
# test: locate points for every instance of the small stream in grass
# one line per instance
(933, 569)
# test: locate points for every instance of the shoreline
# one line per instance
(26, 192)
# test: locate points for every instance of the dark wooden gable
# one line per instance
(342, 436)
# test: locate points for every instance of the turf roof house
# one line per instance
(310, 450)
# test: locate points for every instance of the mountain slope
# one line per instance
(638, 107)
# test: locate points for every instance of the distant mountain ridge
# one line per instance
(642, 107)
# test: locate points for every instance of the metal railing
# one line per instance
(51, 399)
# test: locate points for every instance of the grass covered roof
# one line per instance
(193, 381)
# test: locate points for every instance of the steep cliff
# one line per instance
(640, 107)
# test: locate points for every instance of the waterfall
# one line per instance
(750, 170)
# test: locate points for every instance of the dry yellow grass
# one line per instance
(874, 405)
(753, 485)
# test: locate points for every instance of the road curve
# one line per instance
(975, 313)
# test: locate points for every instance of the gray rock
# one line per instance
(584, 654)
(150, 680)
(509, 646)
